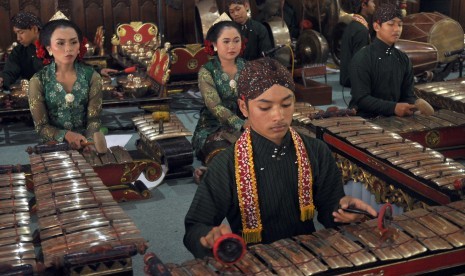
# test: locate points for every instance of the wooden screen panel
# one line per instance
(93, 18)
(8, 36)
(148, 11)
(121, 12)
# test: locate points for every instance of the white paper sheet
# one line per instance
(118, 140)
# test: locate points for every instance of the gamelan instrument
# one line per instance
(435, 28)
(444, 131)
(115, 167)
(396, 169)
(17, 253)
(424, 56)
(445, 94)
(81, 228)
(163, 138)
(422, 241)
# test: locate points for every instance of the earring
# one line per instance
(50, 53)
(215, 49)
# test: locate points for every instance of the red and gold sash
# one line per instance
(360, 19)
(246, 182)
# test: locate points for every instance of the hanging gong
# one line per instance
(312, 48)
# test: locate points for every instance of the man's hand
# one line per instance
(75, 139)
(404, 109)
(209, 240)
(346, 217)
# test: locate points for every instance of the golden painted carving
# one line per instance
(193, 49)
(192, 64)
(115, 40)
(432, 138)
(137, 37)
(382, 191)
(174, 58)
(376, 164)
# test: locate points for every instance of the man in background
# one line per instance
(22, 62)
(255, 33)
(356, 36)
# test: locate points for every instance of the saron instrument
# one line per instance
(422, 241)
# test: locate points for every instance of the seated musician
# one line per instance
(22, 62)
(256, 34)
(217, 84)
(270, 182)
(381, 75)
(65, 97)
(356, 35)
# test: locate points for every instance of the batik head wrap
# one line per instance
(261, 74)
(386, 12)
(25, 20)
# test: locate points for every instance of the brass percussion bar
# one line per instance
(454, 117)
(68, 208)
(57, 164)
(69, 199)
(371, 140)
(353, 128)
(108, 212)
(399, 152)
(380, 149)
(196, 267)
(70, 228)
(155, 130)
(155, 137)
(11, 177)
(14, 205)
(338, 121)
(324, 250)
(437, 173)
(420, 163)
(458, 205)
(416, 156)
(304, 260)
(249, 265)
(439, 225)
(369, 239)
(7, 240)
(449, 164)
(90, 182)
(275, 260)
(403, 243)
(12, 220)
(448, 180)
(346, 247)
(12, 183)
(44, 178)
(423, 234)
(54, 156)
(449, 213)
(11, 192)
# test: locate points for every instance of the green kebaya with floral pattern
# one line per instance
(54, 115)
(220, 97)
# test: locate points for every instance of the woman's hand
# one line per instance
(106, 72)
(75, 139)
(209, 240)
(346, 217)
